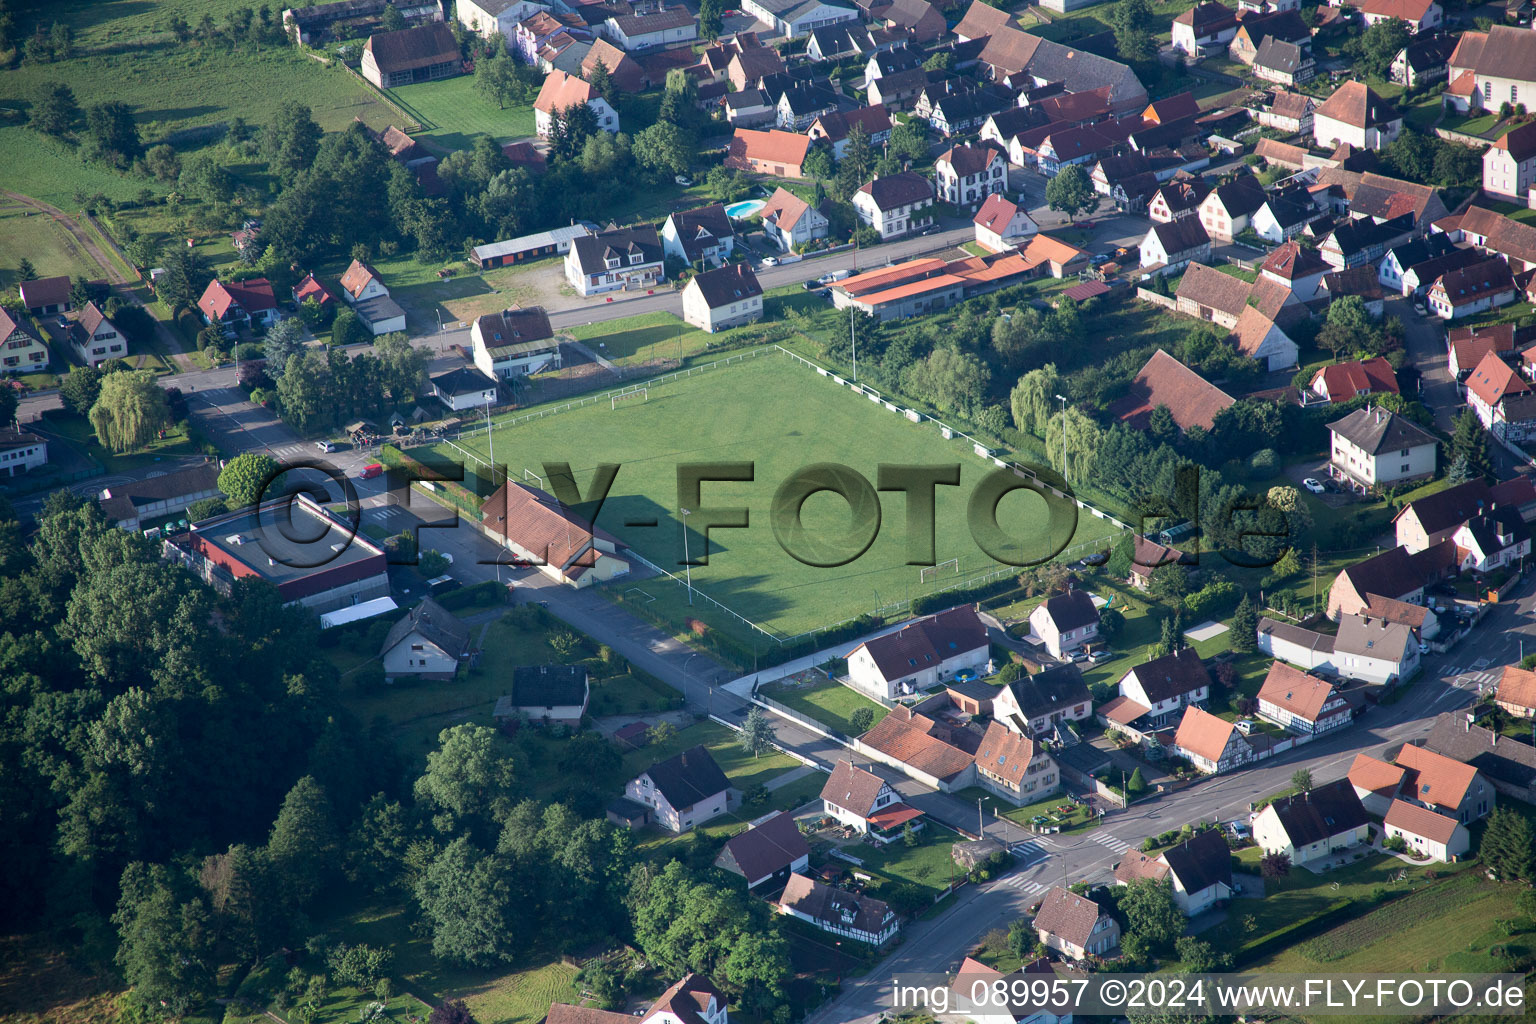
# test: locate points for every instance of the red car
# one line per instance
(371, 470)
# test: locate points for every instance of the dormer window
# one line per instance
(635, 258)
(612, 262)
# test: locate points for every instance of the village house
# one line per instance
(651, 28)
(353, 19)
(1002, 224)
(1473, 289)
(1314, 824)
(424, 53)
(1297, 645)
(1417, 15)
(1364, 242)
(1375, 447)
(428, 643)
(1509, 165)
(838, 912)
(628, 259)
(775, 153)
(701, 236)
(1375, 651)
(1394, 574)
(1375, 782)
(1427, 833)
(364, 291)
(966, 175)
(94, 338)
(514, 343)
(1207, 294)
(45, 296)
(546, 694)
(463, 388)
(1423, 61)
(20, 451)
(488, 17)
(1504, 402)
(238, 303)
(1171, 246)
(1065, 622)
(1342, 382)
(539, 529)
(1199, 869)
(1075, 925)
(1203, 28)
(1289, 112)
(132, 505)
(1033, 705)
(685, 790)
(1257, 336)
(770, 851)
(310, 288)
(896, 204)
(1014, 766)
(1254, 28)
(1213, 745)
(693, 1000)
(1505, 762)
(559, 93)
(1286, 213)
(1444, 785)
(1491, 541)
(1148, 556)
(1302, 703)
(726, 297)
(1356, 115)
(921, 654)
(1164, 381)
(1165, 686)
(1284, 63)
(790, 221)
(1516, 692)
(1178, 198)
(801, 104)
(1225, 213)
(1400, 258)
(834, 128)
(862, 800)
(936, 752)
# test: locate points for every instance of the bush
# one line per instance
(480, 595)
(1264, 464)
(1396, 844)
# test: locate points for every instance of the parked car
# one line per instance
(371, 470)
(63, 323)
(1238, 829)
(811, 283)
(1100, 656)
(683, 180)
(326, 446)
(770, 261)
(1312, 484)
(442, 585)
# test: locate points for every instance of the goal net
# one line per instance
(929, 573)
(529, 474)
(638, 394)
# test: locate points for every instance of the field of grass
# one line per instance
(42, 240)
(780, 416)
(644, 338)
(829, 703)
(75, 431)
(452, 113)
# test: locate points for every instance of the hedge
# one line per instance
(478, 595)
(929, 603)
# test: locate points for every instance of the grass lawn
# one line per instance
(830, 703)
(781, 416)
(644, 338)
(1232, 270)
(518, 994)
(42, 240)
(77, 432)
(453, 113)
(928, 864)
(994, 805)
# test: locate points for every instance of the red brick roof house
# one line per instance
(1300, 702)
(310, 288)
(540, 529)
(239, 302)
(921, 654)
(773, 152)
(1344, 381)
(1211, 744)
(1502, 399)
(1428, 833)
(859, 798)
(1376, 782)
(1516, 692)
(694, 1000)
(924, 748)
(1443, 784)
(839, 912)
(1473, 289)
(1164, 381)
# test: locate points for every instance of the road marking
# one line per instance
(1104, 839)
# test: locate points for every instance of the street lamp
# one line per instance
(687, 563)
(686, 662)
(1062, 399)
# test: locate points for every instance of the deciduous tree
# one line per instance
(1070, 192)
(129, 410)
(246, 477)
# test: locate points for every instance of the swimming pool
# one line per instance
(743, 210)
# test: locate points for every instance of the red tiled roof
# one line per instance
(311, 288)
(1165, 381)
(1203, 734)
(1295, 691)
(1420, 821)
(894, 815)
(1517, 686)
(1375, 775)
(561, 91)
(1435, 779)
(772, 146)
(853, 788)
(1344, 381)
(909, 739)
(1493, 379)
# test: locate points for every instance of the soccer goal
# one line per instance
(929, 573)
(640, 394)
(529, 474)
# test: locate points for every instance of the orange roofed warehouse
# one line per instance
(928, 284)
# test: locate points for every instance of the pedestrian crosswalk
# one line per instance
(1473, 677)
(290, 452)
(1021, 884)
(1106, 840)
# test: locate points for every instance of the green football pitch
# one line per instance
(781, 416)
